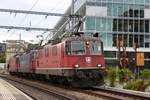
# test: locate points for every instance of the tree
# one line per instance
(2, 58)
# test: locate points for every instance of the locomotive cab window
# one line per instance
(46, 52)
(75, 48)
(96, 47)
(54, 51)
(68, 48)
(32, 56)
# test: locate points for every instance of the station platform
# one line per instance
(9, 92)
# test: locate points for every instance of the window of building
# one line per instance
(141, 25)
(131, 25)
(147, 1)
(139, 1)
(109, 24)
(115, 25)
(125, 40)
(130, 40)
(131, 12)
(103, 24)
(126, 25)
(120, 24)
(147, 45)
(141, 41)
(136, 38)
(109, 40)
(104, 38)
(114, 40)
(146, 26)
(109, 0)
(98, 24)
(54, 51)
(131, 1)
(90, 23)
(120, 10)
(109, 9)
(126, 12)
(115, 1)
(110, 54)
(136, 25)
(147, 55)
(147, 38)
(115, 9)
(136, 13)
(141, 13)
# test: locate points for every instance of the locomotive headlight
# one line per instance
(87, 43)
(99, 65)
(76, 66)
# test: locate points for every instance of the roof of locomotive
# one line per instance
(81, 38)
(74, 38)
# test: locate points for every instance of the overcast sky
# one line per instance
(56, 6)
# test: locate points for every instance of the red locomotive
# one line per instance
(75, 60)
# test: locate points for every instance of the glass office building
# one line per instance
(113, 19)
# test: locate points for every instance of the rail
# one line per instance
(40, 88)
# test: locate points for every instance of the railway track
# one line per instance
(33, 85)
(111, 94)
(126, 93)
(100, 93)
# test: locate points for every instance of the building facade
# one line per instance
(113, 19)
(2, 47)
(14, 47)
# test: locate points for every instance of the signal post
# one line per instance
(139, 59)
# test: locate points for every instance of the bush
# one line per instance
(112, 76)
(137, 85)
(145, 74)
(124, 75)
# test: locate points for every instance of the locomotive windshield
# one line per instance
(82, 47)
(95, 47)
(75, 48)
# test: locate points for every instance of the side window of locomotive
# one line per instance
(96, 47)
(32, 56)
(77, 48)
(46, 52)
(54, 51)
(40, 53)
(68, 48)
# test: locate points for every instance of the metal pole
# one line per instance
(72, 12)
(20, 36)
(135, 53)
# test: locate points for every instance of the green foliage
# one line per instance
(32, 47)
(2, 58)
(112, 76)
(137, 85)
(124, 75)
(145, 74)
